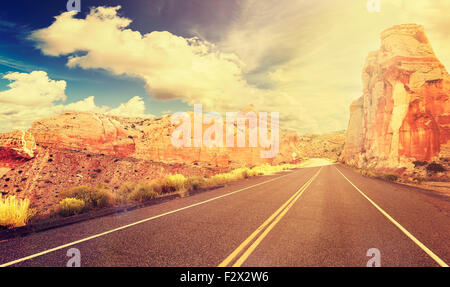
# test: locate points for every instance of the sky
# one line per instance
(301, 58)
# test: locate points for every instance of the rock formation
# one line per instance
(403, 114)
(74, 149)
(15, 148)
(146, 139)
(327, 145)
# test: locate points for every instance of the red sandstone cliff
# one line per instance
(146, 139)
(403, 114)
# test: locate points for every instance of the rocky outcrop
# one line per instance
(83, 148)
(327, 145)
(86, 132)
(146, 139)
(15, 148)
(53, 171)
(403, 114)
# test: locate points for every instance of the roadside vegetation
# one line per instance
(427, 175)
(436, 167)
(84, 198)
(381, 175)
(14, 212)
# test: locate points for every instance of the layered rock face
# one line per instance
(86, 132)
(83, 148)
(328, 145)
(403, 114)
(15, 148)
(146, 139)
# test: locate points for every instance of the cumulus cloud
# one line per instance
(33, 96)
(314, 51)
(32, 89)
(300, 58)
(173, 67)
(135, 107)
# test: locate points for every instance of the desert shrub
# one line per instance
(267, 169)
(14, 212)
(143, 192)
(124, 191)
(220, 178)
(380, 175)
(257, 170)
(239, 173)
(93, 197)
(435, 167)
(71, 206)
(173, 183)
(419, 179)
(418, 163)
(195, 182)
(389, 177)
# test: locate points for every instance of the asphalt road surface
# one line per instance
(320, 215)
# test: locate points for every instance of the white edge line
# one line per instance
(136, 223)
(399, 226)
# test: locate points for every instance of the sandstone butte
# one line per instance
(403, 114)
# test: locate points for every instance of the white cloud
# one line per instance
(172, 67)
(300, 58)
(135, 107)
(17, 112)
(85, 105)
(314, 51)
(32, 89)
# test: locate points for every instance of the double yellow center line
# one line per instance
(240, 254)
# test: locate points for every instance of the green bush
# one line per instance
(93, 197)
(143, 192)
(71, 206)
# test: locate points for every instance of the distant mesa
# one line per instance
(143, 139)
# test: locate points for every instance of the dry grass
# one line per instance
(142, 192)
(93, 197)
(71, 206)
(377, 174)
(178, 183)
(14, 212)
(242, 173)
(85, 198)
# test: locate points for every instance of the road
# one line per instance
(320, 215)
